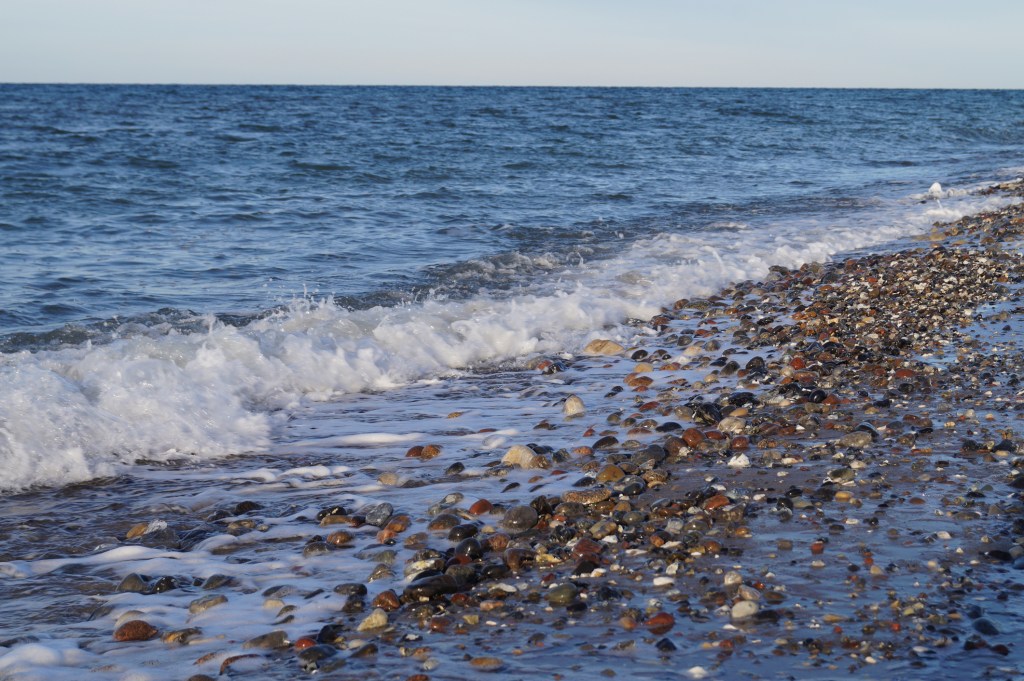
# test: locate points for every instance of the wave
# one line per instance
(76, 413)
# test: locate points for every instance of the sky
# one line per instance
(707, 43)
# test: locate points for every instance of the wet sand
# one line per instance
(814, 476)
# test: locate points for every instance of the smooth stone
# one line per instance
(205, 603)
(428, 588)
(587, 497)
(350, 589)
(216, 581)
(610, 473)
(444, 522)
(563, 594)
(133, 583)
(275, 639)
(602, 346)
(315, 548)
(573, 406)
(379, 514)
(732, 425)
(375, 620)
(857, 439)
(463, 531)
(985, 627)
(744, 610)
(522, 456)
(182, 636)
(135, 630)
(520, 518)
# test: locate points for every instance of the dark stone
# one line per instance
(163, 584)
(431, 587)
(351, 589)
(379, 514)
(470, 548)
(464, 531)
(331, 510)
(133, 583)
(246, 507)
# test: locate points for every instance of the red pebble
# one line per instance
(304, 642)
(660, 624)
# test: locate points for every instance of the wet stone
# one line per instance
(133, 583)
(463, 531)
(378, 514)
(351, 589)
(274, 639)
(316, 548)
(587, 497)
(561, 595)
(857, 439)
(205, 603)
(135, 630)
(216, 581)
(520, 518)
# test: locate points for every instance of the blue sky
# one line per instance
(797, 43)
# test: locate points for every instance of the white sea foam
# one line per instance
(75, 414)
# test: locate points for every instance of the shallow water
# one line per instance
(168, 354)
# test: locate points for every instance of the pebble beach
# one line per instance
(811, 476)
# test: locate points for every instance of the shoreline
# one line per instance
(814, 474)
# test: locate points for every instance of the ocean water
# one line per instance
(184, 268)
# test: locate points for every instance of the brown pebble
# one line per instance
(137, 531)
(303, 643)
(135, 630)
(340, 538)
(498, 541)
(660, 624)
(692, 437)
(487, 664)
(587, 497)
(480, 507)
(226, 664)
(717, 501)
(817, 547)
(586, 546)
(387, 601)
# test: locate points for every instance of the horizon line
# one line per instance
(508, 86)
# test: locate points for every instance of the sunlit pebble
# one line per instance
(573, 406)
(303, 643)
(480, 507)
(660, 623)
(135, 630)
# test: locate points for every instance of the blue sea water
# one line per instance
(182, 264)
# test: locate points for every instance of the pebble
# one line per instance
(377, 619)
(587, 497)
(133, 583)
(603, 347)
(742, 610)
(520, 518)
(205, 603)
(562, 594)
(274, 639)
(573, 406)
(487, 664)
(857, 439)
(379, 514)
(182, 636)
(135, 630)
(522, 456)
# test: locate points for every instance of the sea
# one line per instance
(216, 290)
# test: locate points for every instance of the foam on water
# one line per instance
(73, 414)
